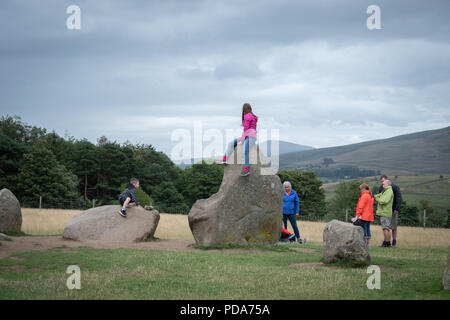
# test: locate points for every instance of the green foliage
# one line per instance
(42, 175)
(168, 199)
(143, 197)
(85, 166)
(309, 190)
(153, 167)
(115, 165)
(18, 131)
(200, 181)
(409, 215)
(447, 225)
(434, 218)
(327, 161)
(345, 197)
(11, 159)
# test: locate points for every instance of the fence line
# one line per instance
(81, 204)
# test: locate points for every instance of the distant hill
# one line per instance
(283, 147)
(426, 152)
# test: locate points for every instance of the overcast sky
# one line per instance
(138, 70)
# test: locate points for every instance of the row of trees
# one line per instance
(35, 163)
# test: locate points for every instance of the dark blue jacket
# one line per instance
(291, 204)
(130, 192)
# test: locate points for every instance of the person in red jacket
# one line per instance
(364, 210)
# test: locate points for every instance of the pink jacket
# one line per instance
(249, 126)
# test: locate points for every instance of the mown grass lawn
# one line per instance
(406, 273)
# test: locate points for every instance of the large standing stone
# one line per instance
(10, 212)
(105, 224)
(344, 242)
(245, 210)
(446, 277)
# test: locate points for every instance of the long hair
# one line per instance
(246, 108)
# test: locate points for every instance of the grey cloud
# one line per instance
(308, 64)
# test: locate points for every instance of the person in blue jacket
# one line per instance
(291, 206)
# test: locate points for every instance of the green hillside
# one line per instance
(422, 153)
(433, 188)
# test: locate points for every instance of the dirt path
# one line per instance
(38, 243)
(21, 244)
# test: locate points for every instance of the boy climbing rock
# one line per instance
(129, 197)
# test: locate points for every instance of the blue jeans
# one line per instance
(366, 227)
(247, 142)
(293, 221)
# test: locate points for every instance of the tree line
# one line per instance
(71, 173)
(35, 163)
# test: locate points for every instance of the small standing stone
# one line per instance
(344, 242)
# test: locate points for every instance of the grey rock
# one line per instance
(105, 224)
(344, 242)
(446, 277)
(245, 210)
(10, 212)
(4, 237)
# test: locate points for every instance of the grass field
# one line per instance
(412, 271)
(156, 274)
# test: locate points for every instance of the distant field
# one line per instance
(414, 189)
(174, 226)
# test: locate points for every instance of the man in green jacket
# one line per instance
(385, 200)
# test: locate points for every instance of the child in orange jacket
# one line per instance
(364, 211)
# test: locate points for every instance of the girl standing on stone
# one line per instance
(248, 138)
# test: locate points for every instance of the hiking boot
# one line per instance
(123, 213)
(386, 244)
(300, 241)
(245, 171)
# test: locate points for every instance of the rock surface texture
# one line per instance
(344, 242)
(245, 210)
(105, 224)
(10, 212)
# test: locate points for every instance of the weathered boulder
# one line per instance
(344, 242)
(446, 277)
(10, 212)
(4, 237)
(245, 210)
(105, 224)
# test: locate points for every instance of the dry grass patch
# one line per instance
(176, 226)
(407, 237)
(46, 221)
